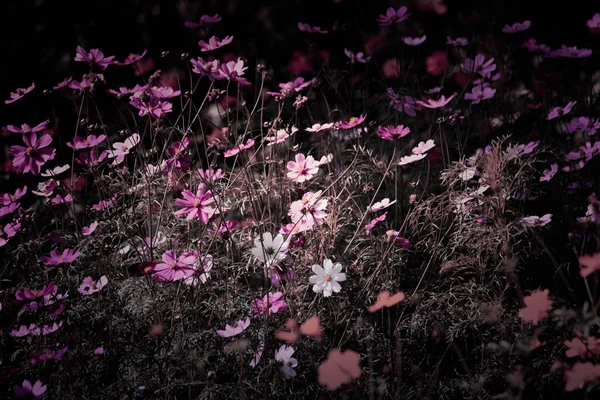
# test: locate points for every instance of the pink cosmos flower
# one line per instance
(174, 268)
(36, 390)
(210, 175)
(90, 159)
(375, 221)
(124, 91)
(535, 221)
(89, 286)
(424, 147)
(239, 148)
(88, 230)
(517, 27)
(196, 206)
(549, 173)
(291, 87)
(532, 46)
(94, 57)
(414, 41)
(48, 355)
(280, 136)
(271, 303)
(402, 103)
(303, 169)
(583, 124)
(310, 208)
(284, 356)
(81, 143)
(132, 58)
(121, 149)
(205, 20)
(26, 128)
(580, 374)
(233, 71)
(411, 159)
(441, 102)
(104, 204)
(214, 43)
(480, 92)
(560, 111)
(358, 57)
(48, 329)
(224, 227)
(19, 93)
(352, 122)
(569, 52)
(7, 199)
(98, 351)
(393, 16)
(231, 331)
(10, 230)
(318, 127)
(179, 159)
(310, 29)
(381, 205)
(55, 171)
(151, 106)
(479, 66)
(202, 271)
(12, 207)
(436, 63)
(36, 154)
(461, 41)
(389, 132)
(65, 82)
(56, 258)
(210, 69)
(58, 199)
(594, 23)
(28, 294)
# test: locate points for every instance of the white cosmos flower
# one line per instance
(326, 278)
(380, 205)
(271, 250)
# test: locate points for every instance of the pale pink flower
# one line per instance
(233, 70)
(569, 52)
(393, 16)
(358, 57)
(94, 57)
(121, 149)
(131, 58)
(81, 143)
(205, 20)
(389, 132)
(88, 230)
(461, 41)
(326, 278)
(402, 103)
(311, 207)
(10, 230)
(319, 127)
(36, 154)
(174, 268)
(517, 27)
(549, 173)
(150, 105)
(239, 148)
(535, 221)
(196, 206)
(280, 136)
(441, 102)
(594, 23)
(231, 331)
(36, 390)
(89, 286)
(560, 111)
(210, 175)
(104, 204)
(311, 29)
(414, 41)
(271, 303)
(99, 351)
(479, 93)
(55, 171)
(380, 205)
(411, 159)
(532, 46)
(90, 159)
(210, 69)
(580, 374)
(214, 43)
(26, 128)
(19, 93)
(284, 356)
(423, 147)
(7, 199)
(375, 221)
(56, 258)
(303, 169)
(58, 199)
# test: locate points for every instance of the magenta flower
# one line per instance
(36, 154)
(27, 294)
(121, 149)
(104, 204)
(352, 122)
(151, 106)
(196, 206)
(210, 69)
(358, 57)
(25, 330)
(375, 221)
(210, 175)
(19, 93)
(414, 41)
(461, 41)
(48, 355)
(88, 82)
(549, 173)
(36, 390)
(205, 20)
(94, 57)
(91, 159)
(26, 128)
(98, 351)
(560, 111)
(174, 268)
(81, 143)
(303, 169)
(63, 83)
(56, 258)
(311, 29)
(178, 159)
(233, 71)
(594, 23)
(569, 52)
(532, 46)
(288, 88)
(131, 58)
(124, 91)
(89, 286)
(214, 43)
(393, 16)
(10, 230)
(271, 303)
(230, 331)
(8, 199)
(239, 148)
(517, 27)
(389, 132)
(88, 230)
(48, 329)
(583, 124)
(58, 199)
(479, 66)
(441, 102)
(402, 103)
(481, 92)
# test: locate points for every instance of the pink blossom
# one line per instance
(48, 355)
(580, 374)
(89, 286)
(481, 92)
(36, 390)
(381, 205)
(98, 351)
(295, 86)
(280, 136)
(36, 154)
(569, 52)
(90, 159)
(12, 207)
(63, 83)
(121, 149)
(104, 204)
(479, 66)
(517, 27)
(48, 329)
(532, 46)
(358, 57)
(27, 294)
(26, 128)
(310, 29)
(56, 171)
(375, 221)
(594, 23)
(239, 148)
(10, 230)
(210, 69)
(150, 106)
(423, 147)
(202, 271)
(560, 111)
(319, 127)
(414, 41)
(123, 91)
(179, 159)
(88, 230)
(91, 141)
(441, 102)
(549, 173)
(310, 208)
(583, 124)
(535, 221)
(389, 132)
(94, 57)
(210, 175)
(393, 16)
(402, 103)
(352, 122)
(411, 159)
(436, 63)
(461, 41)
(174, 268)
(205, 20)
(196, 206)
(303, 169)
(230, 331)
(56, 258)
(58, 199)
(8, 199)
(224, 227)
(271, 303)
(132, 58)
(19, 93)
(46, 188)
(233, 70)
(214, 43)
